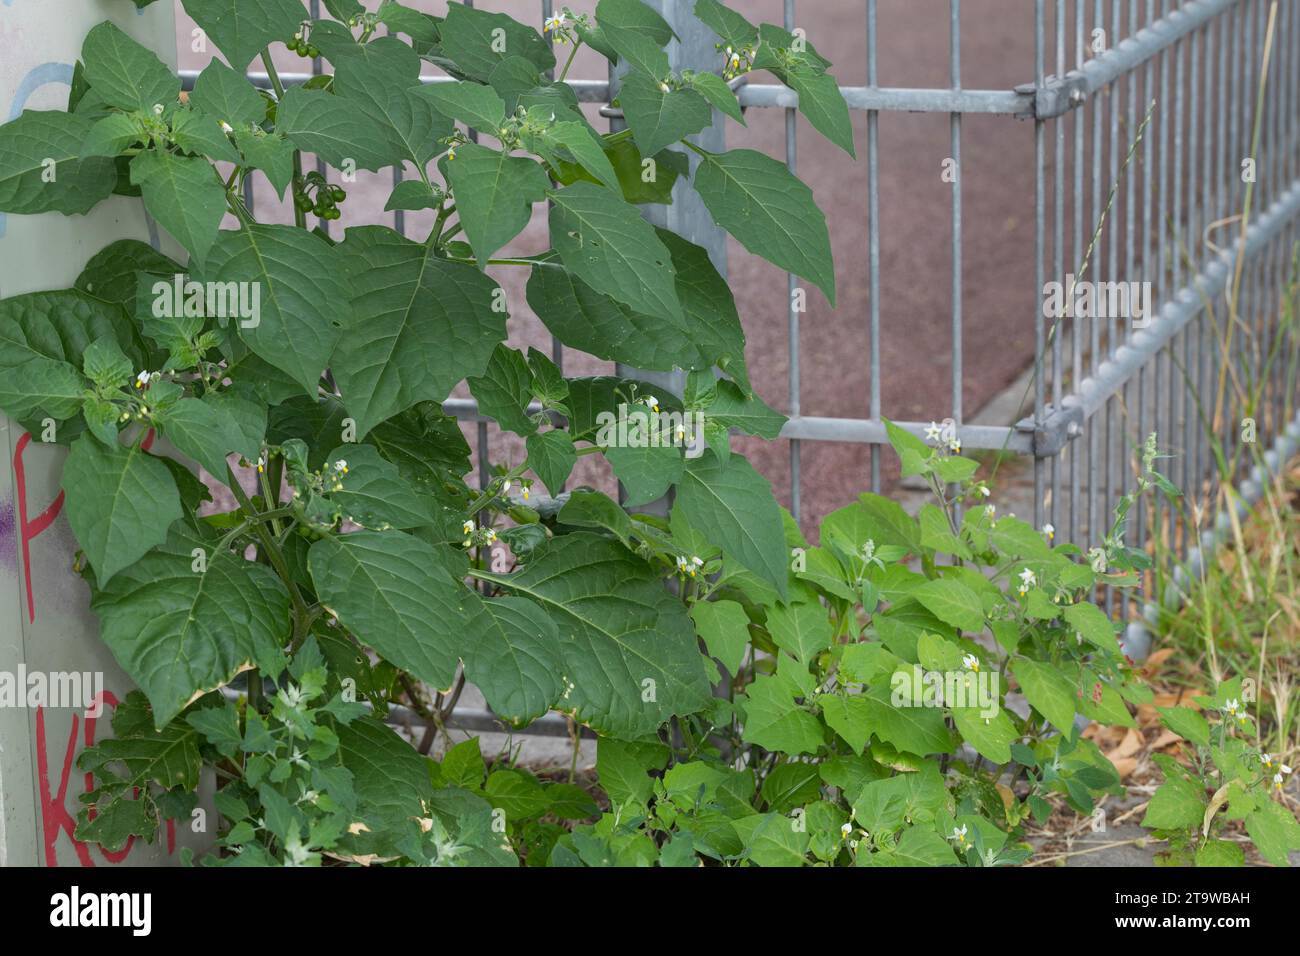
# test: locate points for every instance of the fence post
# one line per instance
(687, 216)
(44, 606)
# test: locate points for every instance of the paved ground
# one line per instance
(914, 227)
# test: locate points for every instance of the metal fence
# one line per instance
(1145, 116)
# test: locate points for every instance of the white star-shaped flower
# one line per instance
(1027, 580)
(933, 431)
(972, 662)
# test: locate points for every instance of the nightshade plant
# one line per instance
(360, 563)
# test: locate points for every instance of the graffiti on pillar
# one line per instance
(56, 818)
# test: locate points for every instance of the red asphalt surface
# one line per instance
(998, 296)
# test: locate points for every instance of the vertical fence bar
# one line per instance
(954, 139)
(873, 238)
(1040, 258)
(792, 313)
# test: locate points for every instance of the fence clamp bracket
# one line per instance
(1058, 428)
(1057, 95)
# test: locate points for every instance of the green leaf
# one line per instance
(733, 507)
(774, 721)
(494, 194)
(848, 716)
(719, 94)
(660, 117)
(588, 320)
(474, 104)
(395, 101)
(913, 453)
(184, 195)
(732, 28)
(120, 503)
(732, 409)
(205, 432)
(1186, 723)
(1220, 853)
(418, 325)
(921, 846)
(773, 215)
(908, 726)
(241, 29)
(334, 128)
(412, 194)
(611, 248)
(1091, 622)
(576, 142)
(1274, 831)
(181, 632)
(1176, 804)
(515, 659)
(110, 135)
(269, 152)
(952, 602)
(304, 295)
(990, 736)
(624, 769)
(821, 101)
(374, 494)
(724, 626)
(199, 133)
(773, 839)
(551, 456)
(42, 169)
(227, 96)
(804, 630)
(630, 652)
(392, 592)
(468, 37)
(125, 73)
(105, 364)
(1048, 692)
(504, 389)
(41, 387)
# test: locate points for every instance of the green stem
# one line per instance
(569, 62)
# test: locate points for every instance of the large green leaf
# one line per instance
(773, 215)
(773, 719)
(120, 502)
(916, 729)
(494, 194)
(374, 493)
(184, 194)
(59, 325)
(305, 296)
(803, 630)
(392, 591)
(660, 117)
(227, 96)
(420, 325)
(336, 129)
(724, 627)
(551, 456)
(733, 507)
(611, 248)
(39, 387)
(476, 105)
(630, 654)
(394, 100)
(41, 169)
(504, 389)
(952, 602)
(187, 618)
(1048, 692)
(593, 322)
(1177, 804)
(514, 658)
(476, 41)
(205, 431)
(242, 29)
(125, 73)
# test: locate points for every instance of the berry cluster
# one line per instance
(325, 205)
(300, 45)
